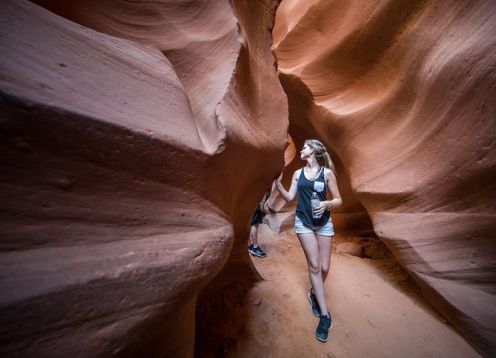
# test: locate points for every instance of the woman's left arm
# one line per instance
(332, 184)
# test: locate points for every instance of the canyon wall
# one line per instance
(404, 95)
(137, 137)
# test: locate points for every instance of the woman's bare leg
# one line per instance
(325, 246)
(254, 235)
(311, 250)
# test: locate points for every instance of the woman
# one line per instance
(314, 226)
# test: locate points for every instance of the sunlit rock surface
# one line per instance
(135, 146)
(404, 94)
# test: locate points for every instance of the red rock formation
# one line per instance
(403, 92)
(131, 160)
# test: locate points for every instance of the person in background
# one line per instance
(313, 223)
(257, 218)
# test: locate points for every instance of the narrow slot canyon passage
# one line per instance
(137, 137)
(377, 308)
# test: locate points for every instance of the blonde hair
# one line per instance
(321, 154)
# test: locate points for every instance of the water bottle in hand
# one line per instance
(315, 202)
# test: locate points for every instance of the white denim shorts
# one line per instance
(326, 230)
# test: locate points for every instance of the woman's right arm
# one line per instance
(288, 195)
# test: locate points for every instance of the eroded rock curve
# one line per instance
(403, 94)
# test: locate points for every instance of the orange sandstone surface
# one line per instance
(377, 310)
(137, 137)
(135, 144)
(404, 93)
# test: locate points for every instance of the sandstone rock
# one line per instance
(403, 93)
(131, 158)
(351, 248)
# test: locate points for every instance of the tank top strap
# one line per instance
(301, 174)
(324, 176)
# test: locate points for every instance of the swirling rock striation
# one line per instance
(132, 157)
(403, 92)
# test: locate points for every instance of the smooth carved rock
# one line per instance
(403, 92)
(131, 160)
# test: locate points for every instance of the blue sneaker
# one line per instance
(257, 251)
(322, 331)
(315, 305)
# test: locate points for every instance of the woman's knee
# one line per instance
(324, 269)
(314, 267)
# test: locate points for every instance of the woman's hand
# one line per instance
(278, 183)
(319, 210)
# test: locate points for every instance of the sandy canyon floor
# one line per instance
(377, 309)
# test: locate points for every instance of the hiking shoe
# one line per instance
(257, 251)
(315, 305)
(322, 331)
